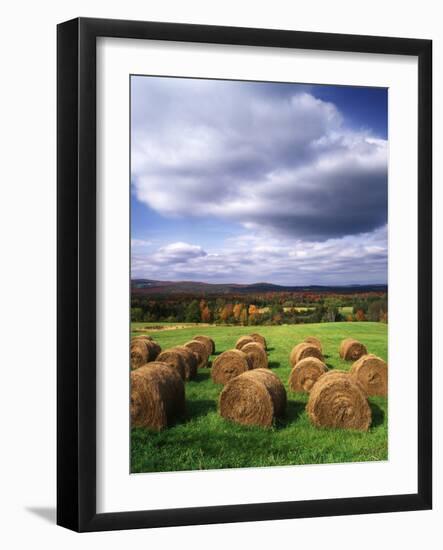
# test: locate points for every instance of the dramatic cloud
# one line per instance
(251, 258)
(177, 254)
(260, 156)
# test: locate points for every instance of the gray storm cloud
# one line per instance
(283, 163)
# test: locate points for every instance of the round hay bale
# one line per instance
(139, 353)
(141, 337)
(259, 338)
(243, 340)
(305, 373)
(190, 359)
(302, 350)
(254, 398)
(344, 343)
(174, 359)
(157, 395)
(228, 365)
(351, 349)
(201, 351)
(257, 355)
(337, 401)
(372, 374)
(208, 342)
(154, 349)
(314, 341)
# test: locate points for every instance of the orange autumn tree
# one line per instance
(237, 311)
(226, 312)
(253, 313)
(244, 317)
(360, 315)
(206, 315)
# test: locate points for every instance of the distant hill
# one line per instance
(150, 286)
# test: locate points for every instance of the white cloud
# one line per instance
(252, 258)
(244, 154)
(177, 253)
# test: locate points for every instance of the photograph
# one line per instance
(259, 273)
(244, 273)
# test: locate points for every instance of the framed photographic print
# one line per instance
(244, 274)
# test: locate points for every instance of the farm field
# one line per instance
(204, 440)
(298, 309)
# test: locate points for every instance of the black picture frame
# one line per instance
(76, 265)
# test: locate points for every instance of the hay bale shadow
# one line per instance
(330, 367)
(378, 416)
(274, 364)
(196, 408)
(294, 409)
(202, 375)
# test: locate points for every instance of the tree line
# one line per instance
(269, 309)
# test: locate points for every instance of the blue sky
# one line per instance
(245, 182)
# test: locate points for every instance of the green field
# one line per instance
(204, 440)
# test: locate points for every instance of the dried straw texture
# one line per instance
(139, 354)
(154, 349)
(257, 355)
(151, 345)
(201, 352)
(243, 340)
(141, 337)
(174, 359)
(190, 359)
(208, 342)
(254, 398)
(305, 373)
(351, 350)
(314, 341)
(303, 350)
(259, 338)
(337, 401)
(372, 374)
(157, 396)
(228, 365)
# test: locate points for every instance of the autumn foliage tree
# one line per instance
(226, 313)
(206, 315)
(244, 317)
(360, 315)
(260, 308)
(237, 311)
(253, 312)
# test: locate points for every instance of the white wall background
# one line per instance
(27, 289)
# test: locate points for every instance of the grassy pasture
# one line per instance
(204, 440)
(299, 309)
